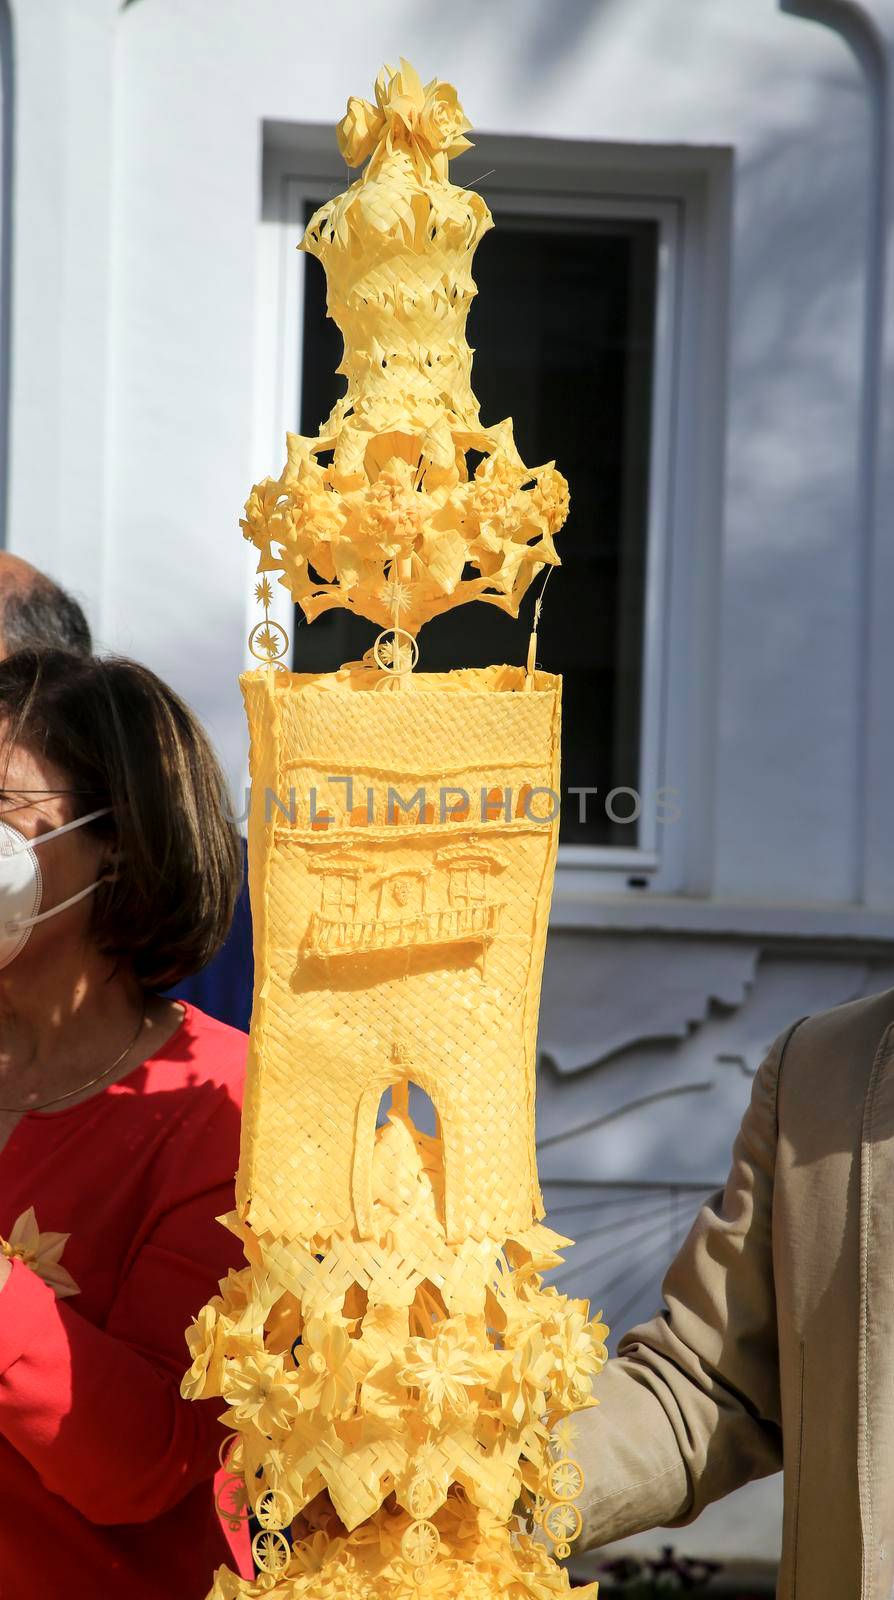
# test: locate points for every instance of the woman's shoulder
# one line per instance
(201, 1053)
(190, 1100)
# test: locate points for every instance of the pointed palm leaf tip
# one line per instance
(393, 524)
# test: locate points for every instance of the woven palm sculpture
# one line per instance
(397, 1377)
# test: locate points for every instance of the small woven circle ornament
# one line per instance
(395, 651)
(268, 641)
(420, 1544)
(271, 1551)
(423, 1496)
(565, 1480)
(274, 1509)
(228, 1450)
(563, 1523)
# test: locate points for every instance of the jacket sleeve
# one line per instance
(97, 1411)
(690, 1408)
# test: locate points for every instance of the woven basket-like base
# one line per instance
(370, 1565)
(375, 1405)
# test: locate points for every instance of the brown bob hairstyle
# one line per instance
(125, 740)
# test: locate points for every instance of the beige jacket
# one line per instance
(776, 1345)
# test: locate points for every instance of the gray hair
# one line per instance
(43, 617)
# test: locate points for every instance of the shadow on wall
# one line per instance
(525, 38)
(794, 486)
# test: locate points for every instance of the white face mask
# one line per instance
(21, 884)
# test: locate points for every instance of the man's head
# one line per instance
(35, 614)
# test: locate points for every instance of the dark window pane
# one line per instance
(563, 329)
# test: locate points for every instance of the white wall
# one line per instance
(134, 401)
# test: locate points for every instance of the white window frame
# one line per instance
(298, 168)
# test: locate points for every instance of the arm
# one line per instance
(690, 1408)
(97, 1411)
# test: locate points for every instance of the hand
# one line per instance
(319, 1515)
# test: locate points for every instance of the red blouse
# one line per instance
(106, 1475)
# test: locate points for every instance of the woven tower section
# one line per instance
(396, 1374)
(385, 511)
(409, 948)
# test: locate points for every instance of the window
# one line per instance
(599, 330)
(563, 328)
(339, 897)
(468, 885)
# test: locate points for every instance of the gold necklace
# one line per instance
(42, 1105)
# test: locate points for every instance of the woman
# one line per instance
(119, 1126)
